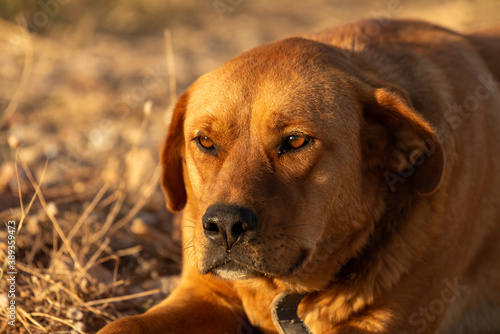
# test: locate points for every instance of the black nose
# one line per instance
(226, 224)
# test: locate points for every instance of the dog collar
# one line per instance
(284, 314)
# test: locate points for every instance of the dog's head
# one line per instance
(282, 158)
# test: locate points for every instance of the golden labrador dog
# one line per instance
(359, 167)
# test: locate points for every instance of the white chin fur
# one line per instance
(233, 275)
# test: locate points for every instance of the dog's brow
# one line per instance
(282, 122)
(202, 108)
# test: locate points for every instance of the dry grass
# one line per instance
(94, 241)
(79, 140)
(67, 265)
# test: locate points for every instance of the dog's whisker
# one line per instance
(189, 220)
(308, 225)
(225, 283)
(297, 237)
(287, 260)
(204, 109)
(290, 238)
(291, 248)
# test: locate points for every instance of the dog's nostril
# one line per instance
(237, 229)
(211, 227)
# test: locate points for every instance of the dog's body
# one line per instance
(363, 170)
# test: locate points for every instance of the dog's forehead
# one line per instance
(292, 80)
(222, 105)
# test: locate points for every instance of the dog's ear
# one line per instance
(400, 142)
(172, 159)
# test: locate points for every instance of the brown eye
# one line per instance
(296, 141)
(206, 145)
(291, 143)
(205, 142)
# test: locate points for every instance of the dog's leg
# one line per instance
(191, 308)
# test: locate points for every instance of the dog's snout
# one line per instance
(226, 224)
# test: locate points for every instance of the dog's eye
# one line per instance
(206, 144)
(296, 141)
(293, 142)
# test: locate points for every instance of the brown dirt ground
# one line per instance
(72, 99)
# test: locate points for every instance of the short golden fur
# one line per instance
(387, 215)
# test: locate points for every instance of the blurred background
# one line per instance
(85, 91)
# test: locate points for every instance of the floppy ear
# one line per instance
(400, 141)
(172, 159)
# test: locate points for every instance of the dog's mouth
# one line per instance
(235, 270)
